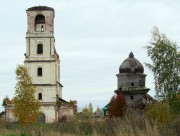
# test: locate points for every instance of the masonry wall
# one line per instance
(49, 20)
(51, 115)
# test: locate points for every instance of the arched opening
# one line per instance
(40, 96)
(40, 23)
(41, 118)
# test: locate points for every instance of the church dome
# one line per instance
(131, 65)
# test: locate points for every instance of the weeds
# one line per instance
(126, 126)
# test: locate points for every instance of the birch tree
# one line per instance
(165, 65)
(26, 107)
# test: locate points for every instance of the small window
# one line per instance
(40, 96)
(39, 71)
(132, 97)
(132, 84)
(39, 49)
(42, 28)
(140, 83)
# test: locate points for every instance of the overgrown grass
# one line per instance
(127, 126)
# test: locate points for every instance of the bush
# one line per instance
(175, 106)
(159, 112)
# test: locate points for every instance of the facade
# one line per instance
(42, 60)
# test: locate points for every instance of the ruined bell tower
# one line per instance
(42, 60)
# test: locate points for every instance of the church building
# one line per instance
(131, 79)
(131, 82)
(43, 64)
(42, 60)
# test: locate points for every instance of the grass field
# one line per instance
(127, 126)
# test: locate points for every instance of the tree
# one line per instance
(85, 115)
(6, 101)
(90, 108)
(117, 105)
(26, 107)
(165, 65)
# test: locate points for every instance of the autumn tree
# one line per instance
(117, 105)
(84, 114)
(165, 65)
(26, 107)
(6, 101)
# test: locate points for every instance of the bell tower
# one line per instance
(42, 60)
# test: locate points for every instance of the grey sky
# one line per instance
(93, 37)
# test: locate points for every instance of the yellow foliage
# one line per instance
(178, 95)
(159, 111)
(26, 107)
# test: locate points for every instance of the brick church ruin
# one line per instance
(43, 64)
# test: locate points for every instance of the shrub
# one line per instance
(159, 112)
(175, 106)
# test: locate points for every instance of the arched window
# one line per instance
(40, 96)
(40, 19)
(39, 71)
(40, 23)
(39, 49)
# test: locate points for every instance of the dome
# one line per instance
(131, 65)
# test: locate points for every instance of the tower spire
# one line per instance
(131, 55)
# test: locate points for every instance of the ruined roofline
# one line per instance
(35, 8)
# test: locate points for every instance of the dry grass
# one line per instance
(128, 126)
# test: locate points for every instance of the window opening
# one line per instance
(42, 28)
(39, 72)
(132, 84)
(39, 49)
(140, 83)
(132, 97)
(40, 96)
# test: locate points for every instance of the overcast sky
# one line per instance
(93, 37)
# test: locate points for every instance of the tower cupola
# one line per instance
(131, 65)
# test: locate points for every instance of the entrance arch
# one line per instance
(41, 118)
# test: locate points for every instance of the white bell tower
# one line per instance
(42, 59)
